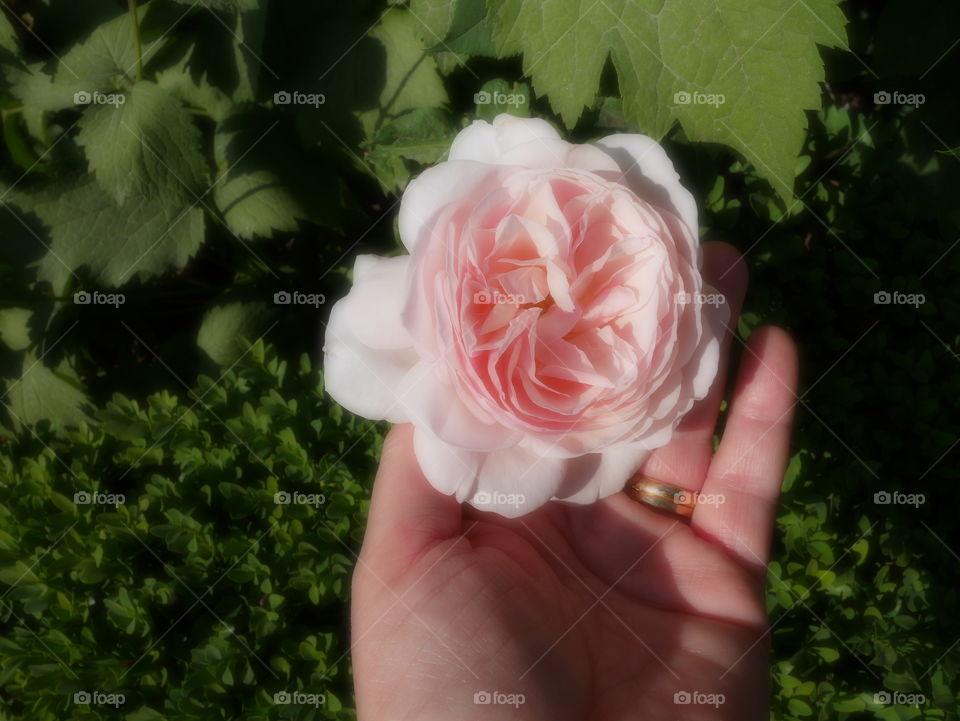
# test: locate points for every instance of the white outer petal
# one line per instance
(715, 319)
(649, 172)
(434, 188)
(516, 481)
(432, 403)
(511, 482)
(489, 143)
(379, 283)
(451, 470)
(366, 351)
(617, 466)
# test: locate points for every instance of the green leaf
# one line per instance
(225, 44)
(433, 17)
(761, 60)
(799, 708)
(827, 654)
(41, 393)
(793, 471)
(105, 61)
(248, 32)
(18, 574)
(468, 33)
(412, 80)
(108, 56)
(143, 237)
(199, 93)
(8, 39)
(849, 705)
(18, 145)
(499, 96)
(422, 135)
(263, 184)
(900, 682)
(148, 146)
(224, 326)
(15, 327)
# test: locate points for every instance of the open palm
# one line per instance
(602, 612)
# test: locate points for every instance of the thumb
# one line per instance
(407, 515)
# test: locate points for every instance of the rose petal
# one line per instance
(650, 174)
(451, 470)
(526, 142)
(432, 402)
(705, 366)
(360, 378)
(434, 188)
(617, 465)
(374, 302)
(516, 481)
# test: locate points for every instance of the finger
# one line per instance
(739, 498)
(407, 514)
(685, 459)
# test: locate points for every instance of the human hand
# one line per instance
(606, 612)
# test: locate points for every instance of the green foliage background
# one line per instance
(198, 397)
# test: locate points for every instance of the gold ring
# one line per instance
(672, 499)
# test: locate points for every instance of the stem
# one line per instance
(132, 4)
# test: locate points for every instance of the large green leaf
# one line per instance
(225, 46)
(110, 52)
(761, 59)
(147, 146)
(412, 80)
(433, 17)
(8, 38)
(248, 48)
(105, 61)
(39, 393)
(225, 326)
(196, 92)
(262, 184)
(468, 33)
(15, 327)
(143, 237)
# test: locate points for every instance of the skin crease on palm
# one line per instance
(603, 612)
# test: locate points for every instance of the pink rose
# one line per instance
(548, 328)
